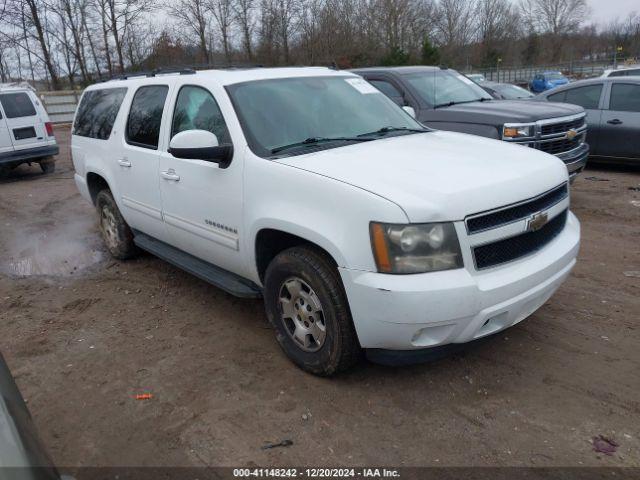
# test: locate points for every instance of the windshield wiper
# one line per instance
(316, 141)
(384, 130)
(450, 104)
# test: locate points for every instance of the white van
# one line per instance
(26, 134)
(362, 229)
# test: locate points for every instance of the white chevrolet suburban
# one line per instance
(26, 134)
(362, 229)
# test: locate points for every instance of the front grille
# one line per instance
(561, 145)
(517, 212)
(509, 249)
(562, 127)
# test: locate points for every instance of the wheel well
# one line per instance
(270, 243)
(95, 183)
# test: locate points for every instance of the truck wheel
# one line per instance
(117, 235)
(307, 306)
(48, 167)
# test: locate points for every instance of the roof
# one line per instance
(17, 86)
(228, 76)
(592, 81)
(399, 70)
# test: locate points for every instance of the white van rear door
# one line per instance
(5, 138)
(25, 123)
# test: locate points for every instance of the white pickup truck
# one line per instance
(362, 229)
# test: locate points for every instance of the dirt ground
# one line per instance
(84, 334)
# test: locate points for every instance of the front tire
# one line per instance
(307, 306)
(116, 234)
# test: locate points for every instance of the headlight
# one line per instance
(517, 131)
(415, 248)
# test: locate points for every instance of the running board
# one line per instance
(227, 281)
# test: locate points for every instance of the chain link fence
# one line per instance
(522, 75)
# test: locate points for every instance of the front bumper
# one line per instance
(28, 154)
(575, 160)
(413, 312)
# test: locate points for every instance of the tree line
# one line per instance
(71, 43)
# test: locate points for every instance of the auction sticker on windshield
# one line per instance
(362, 85)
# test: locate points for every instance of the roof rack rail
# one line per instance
(227, 66)
(154, 72)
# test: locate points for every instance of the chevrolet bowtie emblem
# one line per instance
(571, 134)
(537, 221)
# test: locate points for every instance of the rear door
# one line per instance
(138, 159)
(5, 138)
(621, 122)
(591, 98)
(26, 127)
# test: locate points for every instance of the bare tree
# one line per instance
(223, 14)
(194, 16)
(456, 26)
(497, 21)
(558, 17)
(244, 16)
(33, 14)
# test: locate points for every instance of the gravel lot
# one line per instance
(84, 334)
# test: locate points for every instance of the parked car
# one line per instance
(446, 100)
(361, 228)
(476, 77)
(26, 134)
(613, 114)
(544, 81)
(505, 91)
(622, 72)
(22, 454)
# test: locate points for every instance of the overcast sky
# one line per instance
(605, 10)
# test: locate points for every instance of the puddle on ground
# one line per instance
(53, 265)
(58, 249)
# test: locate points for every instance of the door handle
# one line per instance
(170, 175)
(123, 162)
(615, 121)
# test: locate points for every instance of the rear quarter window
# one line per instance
(97, 112)
(17, 105)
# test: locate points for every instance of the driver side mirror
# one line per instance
(200, 145)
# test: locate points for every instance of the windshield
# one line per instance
(285, 116)
(445, 87)
(512, 92)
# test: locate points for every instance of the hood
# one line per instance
(499, 112)
(439, 176)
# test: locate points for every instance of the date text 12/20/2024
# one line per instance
(315, 473)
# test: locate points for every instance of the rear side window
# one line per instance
(145, 116)
(196, 109)
(97, 112)
(17, 105)
(587, 97)
(625, 97)
(625, 73)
